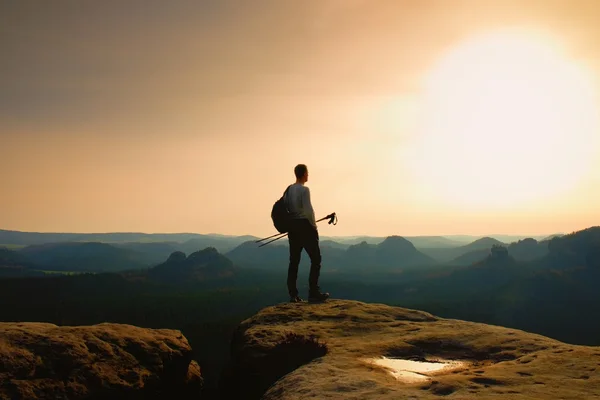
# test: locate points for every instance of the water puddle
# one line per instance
(415, 371)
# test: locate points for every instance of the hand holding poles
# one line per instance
(331, 217)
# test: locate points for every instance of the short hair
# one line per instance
(300, 170)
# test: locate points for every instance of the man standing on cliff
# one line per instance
(303, 234)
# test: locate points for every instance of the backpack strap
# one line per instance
(285, 200)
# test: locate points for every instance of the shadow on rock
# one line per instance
(249, 378)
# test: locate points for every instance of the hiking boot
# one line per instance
(296, 299)
(317, 296)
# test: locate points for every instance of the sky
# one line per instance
(414, 117)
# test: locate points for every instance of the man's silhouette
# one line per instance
(303, 234)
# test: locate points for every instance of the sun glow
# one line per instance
(506, 119)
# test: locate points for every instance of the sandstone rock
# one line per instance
(332, 343)
(105, 361)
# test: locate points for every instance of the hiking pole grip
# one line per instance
(330, 216)
(332, 219)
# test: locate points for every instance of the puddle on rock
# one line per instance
(415, 371)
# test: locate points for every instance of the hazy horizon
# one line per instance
(415, 117)
(332, 235)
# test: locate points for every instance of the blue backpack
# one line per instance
(280, 214)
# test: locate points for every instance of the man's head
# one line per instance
(301, 173)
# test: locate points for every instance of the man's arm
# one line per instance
(308, 208)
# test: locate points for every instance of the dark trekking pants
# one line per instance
(302, 235)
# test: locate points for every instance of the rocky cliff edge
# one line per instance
(352, 350)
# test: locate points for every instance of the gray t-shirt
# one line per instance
(298, 202)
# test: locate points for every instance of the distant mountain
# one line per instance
(396, 250)
(222, 243)
(561, 289)
(477, 280)
(523, 250)
(393, 252)
(498, 257)
(469, 258)
(14, 264)
(250, 255)
(151, 253)
(199, 266)
(469, 251)
(433, 241)
(550, 237)
(350, 240)
(482, 244)
(333, 244)
(30, 238)
(90, 257)
(190, 241)
(565, 303)
(12, 258)
(361, 254)
(562, 258)
(501, 237)
(528, 249)
(578, 249)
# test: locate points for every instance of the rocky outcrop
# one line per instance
(307, 351)
(105, 361)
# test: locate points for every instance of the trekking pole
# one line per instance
(277, 238)
(331, 217)
(263, 239)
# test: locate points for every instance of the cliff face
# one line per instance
(105, 361)
(306, 351)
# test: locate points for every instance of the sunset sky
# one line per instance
(414, 117)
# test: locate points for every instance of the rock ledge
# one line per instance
(306, 351)
(43, 361)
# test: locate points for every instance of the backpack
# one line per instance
(280, 214)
